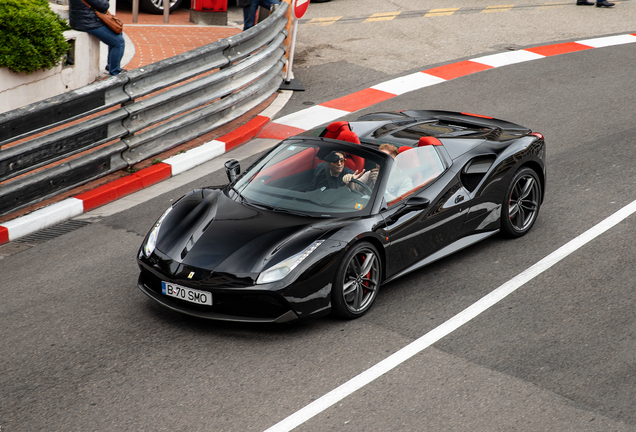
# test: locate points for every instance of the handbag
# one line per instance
(109, 20)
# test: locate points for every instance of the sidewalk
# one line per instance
(152, 40)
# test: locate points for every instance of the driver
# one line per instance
(332, 173)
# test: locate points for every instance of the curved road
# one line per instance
(84, 349)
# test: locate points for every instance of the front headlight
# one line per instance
(283, 268)
(151, 243)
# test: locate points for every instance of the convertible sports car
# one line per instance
(323, 219)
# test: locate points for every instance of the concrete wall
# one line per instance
(19, 89)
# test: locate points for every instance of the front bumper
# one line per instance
(243, 306)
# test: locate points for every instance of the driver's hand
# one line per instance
(355, 176)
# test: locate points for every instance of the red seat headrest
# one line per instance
(424, 141)
(356, 163)
(404, 148)
(335, 128)
(349, 137)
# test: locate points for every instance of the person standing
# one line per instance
(599, 3)
(249, 12)
(83, 18)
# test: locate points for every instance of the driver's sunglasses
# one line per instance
(340, 161)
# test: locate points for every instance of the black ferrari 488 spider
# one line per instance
(323, 219)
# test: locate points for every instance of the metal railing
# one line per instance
(118, 122)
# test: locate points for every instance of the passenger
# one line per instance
(331, 173)
(399, 183)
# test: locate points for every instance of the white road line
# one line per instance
(336, 395)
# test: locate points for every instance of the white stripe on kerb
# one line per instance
(44, 217)
(408, 83)
(359, 381)
(311, 117)
(608, 41)
(196, 156)
(507, 58)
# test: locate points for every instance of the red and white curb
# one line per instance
(86, 201)
(284, 127)
(326, 112)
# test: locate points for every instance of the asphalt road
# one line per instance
(83, 349)
(342, 47)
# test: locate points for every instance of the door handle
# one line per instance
(459, 198)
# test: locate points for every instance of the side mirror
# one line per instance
(413, 203)
(232, 169)
(416, 203)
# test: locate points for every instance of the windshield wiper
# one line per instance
(279, 209)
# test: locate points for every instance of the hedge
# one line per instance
(31, 36)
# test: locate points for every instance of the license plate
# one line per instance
(187, 294)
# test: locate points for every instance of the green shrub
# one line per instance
(31, 36)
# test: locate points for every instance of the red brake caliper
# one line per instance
(368, 275)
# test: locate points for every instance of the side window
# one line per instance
(413, 169)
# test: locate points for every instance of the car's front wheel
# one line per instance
(357, 281)
(521, 203)
(156, 6)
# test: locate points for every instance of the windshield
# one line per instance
(318, 178)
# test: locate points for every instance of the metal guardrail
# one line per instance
(115, 123)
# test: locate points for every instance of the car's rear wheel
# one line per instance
(521, 204)
(357, 281)
(156, 6)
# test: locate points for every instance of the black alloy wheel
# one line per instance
(521, 205)
(357, 281)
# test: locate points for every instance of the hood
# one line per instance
(210, 231)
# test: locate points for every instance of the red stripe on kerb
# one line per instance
(457, 70)
(279, 131)
(4, 235)
(154, 174)
(358, 100)
(110, 192)
(556, 49)
(244, 133)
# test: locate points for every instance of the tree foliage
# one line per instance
(31, 36)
